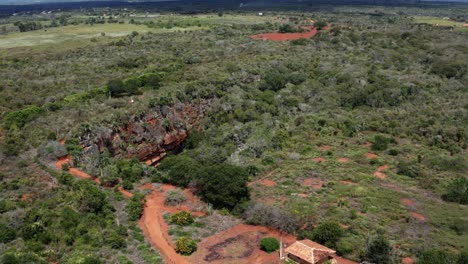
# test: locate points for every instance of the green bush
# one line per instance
(180, 169)
(378, 250)
(182, 218)
(327, 234)
(223, 186)
(269, 244)
(135, 206)
(457, 191)
(380, 143)
(20, 117)
(185, 246)
(7, 234)
(436, 256)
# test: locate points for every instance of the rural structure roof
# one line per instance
(309, 251)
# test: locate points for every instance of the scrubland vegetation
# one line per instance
(361, 129)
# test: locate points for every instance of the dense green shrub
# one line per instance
(269, 244)
(449, 69)
(409, 168)
(457, 191)
(327, 233)
(135, 206)
(437, 256)
(182, 218)
(380, 143)
(180, 169)
(7, 234)
(223, 186)
(20, 117)
(185, 246)
(91, 198)
(378, 250)
(320, 24)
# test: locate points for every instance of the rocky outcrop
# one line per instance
(150, 136)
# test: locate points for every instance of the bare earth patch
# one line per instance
(343, 160)
(379, 173)
(313, 182)
(267, 182)
(407, 202)
(371, 155)
(325, 148)
(418, 216)
(238, 244)
(319, 159)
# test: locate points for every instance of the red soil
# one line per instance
(313, 182)
(238, 244)
(379, 174)
(26, 197)
(343, 160)
(418, 216)
(325, 148)
(407, 202)
(408, 260)
(125, 193)
(319, 160)
(311, 31)
(348, 182)
(267, 182)
(155, 227)
(371, 155)
(74, 171)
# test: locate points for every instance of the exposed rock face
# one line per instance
(151, 136)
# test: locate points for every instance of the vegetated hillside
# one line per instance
(358, 134)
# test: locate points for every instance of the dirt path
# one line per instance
(125, 193)
(155, 227)
(276, 36)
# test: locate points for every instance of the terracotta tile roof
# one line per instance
(309, 251)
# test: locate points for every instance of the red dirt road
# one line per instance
(155, 227)
(311, 31)
(74, 171)
(125, 193)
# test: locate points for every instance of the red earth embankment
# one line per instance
(276, 36)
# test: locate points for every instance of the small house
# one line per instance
(309, 252)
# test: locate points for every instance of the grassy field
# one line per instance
(440, 21)
(75, 34)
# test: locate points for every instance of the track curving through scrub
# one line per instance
(154, 225)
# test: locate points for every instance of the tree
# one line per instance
(378, 249)
(181, 169)
(320, 24)
(269, 244)
(223, 185)
(457, 191)
(327, 234)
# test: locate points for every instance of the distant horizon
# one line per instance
(27, 2)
